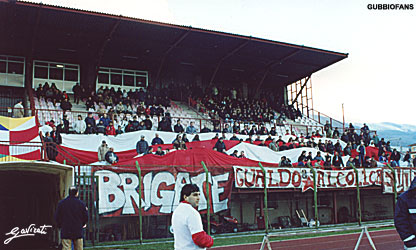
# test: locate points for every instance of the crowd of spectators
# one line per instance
(229, 103)
(117, 116)
(53, 94)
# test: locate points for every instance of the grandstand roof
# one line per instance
(71, 35)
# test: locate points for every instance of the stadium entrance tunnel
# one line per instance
(29, 194)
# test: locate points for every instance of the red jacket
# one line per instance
(110, 130)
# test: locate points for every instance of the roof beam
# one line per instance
(270, 65)
(289, 56)
(229, 54)
(167, 52)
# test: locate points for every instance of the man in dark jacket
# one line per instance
(164, 125)
(142, 146)
(50, 147)
(157, 140)
(111, 157)
(178, 128)
(71, 216)
(337, 160)
(395, 156)
(220, 145)
(148, 123)
(90, 120)
(405, 216)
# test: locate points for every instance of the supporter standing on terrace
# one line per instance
(111, 156)
(65, 125)
(102, 151)
(361, 153)
(90, 120)
(18, 110)
(148, 123)
(407, 158)
(157, 140)
(347, 149)
(164, 125)
(179, 143)
(395, 157)
(375, 138)
(77, 93)
(337, 160)
(79, 125)
(66, 105)
(50, 147)
(220, 145)
(101, 128)
(142, 146)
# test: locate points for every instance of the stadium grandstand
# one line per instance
(129, 110)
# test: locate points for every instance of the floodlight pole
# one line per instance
(208, 197)
(266, 210)
(140, 204)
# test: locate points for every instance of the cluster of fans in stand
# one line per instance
(120, 112)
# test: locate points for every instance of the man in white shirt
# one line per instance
(187, 224)
(79, 125)
(18, 110)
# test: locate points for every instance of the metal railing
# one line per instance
(20, 149)
(323, 118)
(8, 111)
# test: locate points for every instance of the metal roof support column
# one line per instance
(235, 50)
(177, 42)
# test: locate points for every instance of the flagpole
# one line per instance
(343, 118)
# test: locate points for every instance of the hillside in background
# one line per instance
(398, 134)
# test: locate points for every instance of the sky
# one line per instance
(375, 83)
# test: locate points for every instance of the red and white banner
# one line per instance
(404, 177)
(252, 177)
(161, 187)
(19, 139)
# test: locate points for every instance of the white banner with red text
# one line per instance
(253, 177)
(404, 177)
